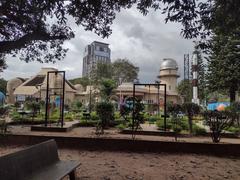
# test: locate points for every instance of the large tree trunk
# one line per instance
(232, 94)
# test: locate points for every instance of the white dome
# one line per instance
(168, 63)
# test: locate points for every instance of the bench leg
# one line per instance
(72, 175)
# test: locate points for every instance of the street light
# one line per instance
(158, 87)
(39, 85)
(120, 95)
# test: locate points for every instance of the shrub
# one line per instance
(94, 116)
(117, 115)
(105, 111)
(198, 130)
(146, 116)
(191, 109)
(184, 123)
(78, 116)
(68, 117)
(160, 124)
(232, 129)
(218, 121)
(121, 126)
(88, 123)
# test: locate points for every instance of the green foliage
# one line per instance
(124, 70)
(3, 110)
(87, 123)
(69, 117)
(138, 114)
(224, 65)
(191, 109)
(125, 111)
(94, 116)
(173, 108)
(100, 72)
(105, 111)
(184, 89)
(106, 88)
(218, 121)
(117, 115)
(160, 124)
(76, 106)
(46, 38)
(33, 106)
(84, 81)
(121, 126)
(232, 129)
(198, 130)
(3, 127)
(3, 85)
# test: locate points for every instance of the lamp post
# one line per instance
(158, 94)
(120, 94)
(40, 88)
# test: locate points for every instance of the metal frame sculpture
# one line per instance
(61, 94)
(165, 103)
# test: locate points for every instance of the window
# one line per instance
(101, 49)
(169, 87)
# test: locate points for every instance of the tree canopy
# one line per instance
(184, 89)
(124, 70)
(36, 29)
(224, 65)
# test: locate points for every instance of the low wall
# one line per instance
(172, 134)
(127, 145)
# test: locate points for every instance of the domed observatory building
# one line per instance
(168, 75)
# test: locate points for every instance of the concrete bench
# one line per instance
(38, 162)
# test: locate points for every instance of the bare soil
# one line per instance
(114, 133)
(135, 166)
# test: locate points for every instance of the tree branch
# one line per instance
(7, 46)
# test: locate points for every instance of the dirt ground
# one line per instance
(135, 166)
(113, 133)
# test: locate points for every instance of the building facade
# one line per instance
(168, 75)
(18, 89)
(96, 52)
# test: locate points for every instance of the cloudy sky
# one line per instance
(144, 40)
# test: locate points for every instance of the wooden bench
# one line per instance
(38, 162)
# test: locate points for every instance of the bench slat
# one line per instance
(54, 172)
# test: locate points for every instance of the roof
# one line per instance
(168, 63)
(30, 87)
(100, 42)
(35, 81)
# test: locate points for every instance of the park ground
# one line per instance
(147, 166)
(89, 132)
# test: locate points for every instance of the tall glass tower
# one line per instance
(96, 52)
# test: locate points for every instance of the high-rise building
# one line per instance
(96, 52)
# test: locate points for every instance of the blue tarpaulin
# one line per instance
(2, 98)
(213, 106)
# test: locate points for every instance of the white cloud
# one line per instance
(144, 40)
